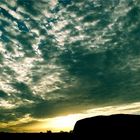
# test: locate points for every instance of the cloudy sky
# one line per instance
(63, 60)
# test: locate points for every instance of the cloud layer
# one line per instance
(64, 57)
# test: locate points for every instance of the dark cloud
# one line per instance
(24, 91)
(3, 94)
(65, 2)
(7, 115)
(63, 58)
(29, 6)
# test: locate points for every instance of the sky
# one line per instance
(64, 60)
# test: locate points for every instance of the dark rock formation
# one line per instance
(114, 126)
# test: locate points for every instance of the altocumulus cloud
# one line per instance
(66, 57)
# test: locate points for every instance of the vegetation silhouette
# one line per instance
(37, 136)
(100, 127)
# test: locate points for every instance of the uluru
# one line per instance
(113, 126)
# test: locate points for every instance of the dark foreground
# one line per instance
(100, 127)
(37, 136)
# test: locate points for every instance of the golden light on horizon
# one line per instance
(66, 123)
(62, 123)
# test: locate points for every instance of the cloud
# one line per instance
(2, 94)
(63, 59)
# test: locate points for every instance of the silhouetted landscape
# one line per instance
(38, 136)
(114, 126)
(108, 127)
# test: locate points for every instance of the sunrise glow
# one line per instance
(62, 123)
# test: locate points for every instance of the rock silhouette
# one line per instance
(114, 126)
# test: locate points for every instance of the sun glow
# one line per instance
(65, 123)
